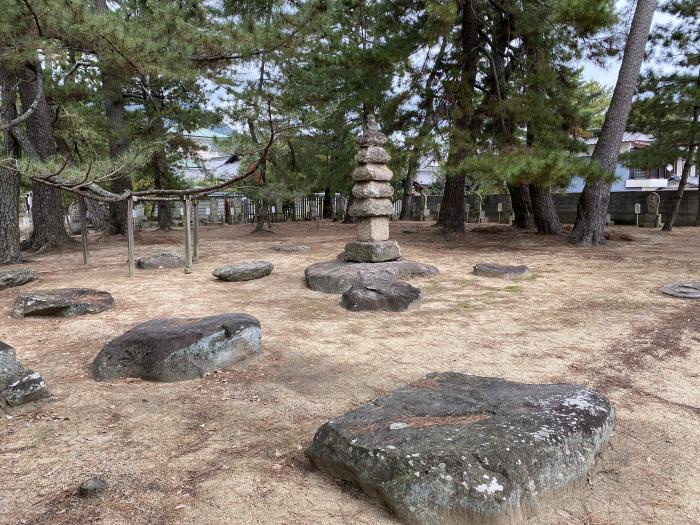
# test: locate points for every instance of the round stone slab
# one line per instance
(339, 275)
(11, 278)
(454, 448)
(244, 271)
(173, 349)
(497, 270)
(62, 302)
(683, 290)
(164, 260)
(386, 296)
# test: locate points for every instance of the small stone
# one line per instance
(372, 155)
(244, 271)
(91, 487)
(373, 252)
(376, 172)
(372, 229)
(371, 208)
(489, 450)
(62, 302)
(164, 260)
(339, 275)
(29, 387)
(504, 272)
(386, 296)
(690, 290)
(174, 349)
(11, 278)
(372, 190)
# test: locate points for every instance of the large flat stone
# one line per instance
(377, 172)
(371, 208)
(174, 349)
(372, 251)
(11, 278)
(501, 271)
(62, 302)
(373, 155)
(163, 260)
(690, 290)
(456, 449)
(385, 296)
(339, 275)
(243, 271)
(372, 190)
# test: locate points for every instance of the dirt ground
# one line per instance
(228, 448)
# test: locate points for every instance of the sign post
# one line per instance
(637, 211)
(500, 209)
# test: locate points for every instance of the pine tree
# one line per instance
(668, 97)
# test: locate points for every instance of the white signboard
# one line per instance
(637, 208)
(208, 210)
(134, 213)
(500, 206)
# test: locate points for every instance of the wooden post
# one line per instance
(83, 229)
(188, 235)
(130, 233)
(195, 217)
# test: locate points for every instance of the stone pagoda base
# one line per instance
(372, 252)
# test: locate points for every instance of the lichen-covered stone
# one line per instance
(11, 278)
(497, 270)
(456, 449)
(28, 387)
(372, 155)
(62, 302)
(372, 252)
(371, 138)
(373, 229)
(372, 190)
(163, 260)
(9, 368)
(386, 296)
(244, 271)
(339, 275)
(690, 290)
(371, 208)
(376, 172)
(291, 248)
(174, 349)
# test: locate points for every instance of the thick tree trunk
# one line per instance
(9, 178)
(47, 210)
(114, 105)
(327, 204)
(543, 210)
(452, 215)
(98, 214)
(589, 229)
(160, 176)
(348, 219)
(522, 206)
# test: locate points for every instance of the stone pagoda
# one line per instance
(372, 204)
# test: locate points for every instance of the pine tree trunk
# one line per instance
(543, 210)
(327, 204)
(160, 176)
(452, 214)
(348, 219)
(9, 179)
(689, 163)
(47, 209)
(522, 206)
(589, 229)
(408, 181)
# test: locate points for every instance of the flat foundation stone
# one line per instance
(62, 302)
(339, 275)
(386, 296)
(291, 248)
(11, 278)
(174, 349)
(689, 290)
(457, 449)
(164, 260)
(504, 272)
(244, 271)
(372, 251)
